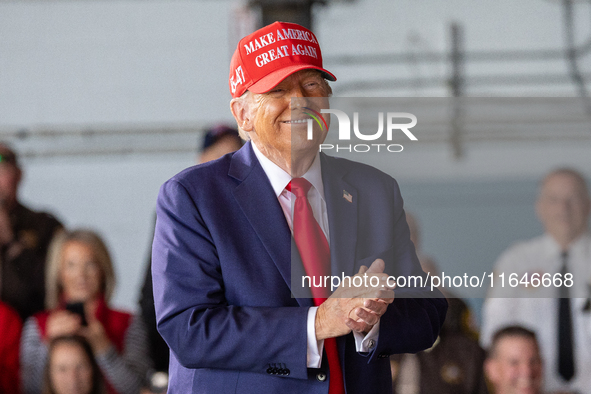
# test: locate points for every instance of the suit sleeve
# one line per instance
(413, 321)
(193, 315)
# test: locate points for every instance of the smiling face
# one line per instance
(276, 121)
(70, 370)
(80, 275)
(516, 366)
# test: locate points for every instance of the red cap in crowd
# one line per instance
(272, 53)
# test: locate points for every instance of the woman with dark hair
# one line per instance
(71, 368)
(79, 283)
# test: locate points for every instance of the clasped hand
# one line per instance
(352, 308)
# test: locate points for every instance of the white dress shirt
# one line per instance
(279, 180)
(543, 255)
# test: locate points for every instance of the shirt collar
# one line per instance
(279, 178)
(554, 248)
(314, 176)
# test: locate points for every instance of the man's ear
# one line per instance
(242, 113)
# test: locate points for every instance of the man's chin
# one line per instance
(307, 147)
(300, 142)
(527, 388)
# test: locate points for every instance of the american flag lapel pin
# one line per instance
(347, 196)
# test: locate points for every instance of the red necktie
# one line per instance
(315, 253)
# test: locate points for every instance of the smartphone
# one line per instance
(78, 309)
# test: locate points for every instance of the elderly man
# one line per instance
(513, 364)
(563, 324)
(24, 238)
(224, 255)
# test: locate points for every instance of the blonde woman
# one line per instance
(79, 284)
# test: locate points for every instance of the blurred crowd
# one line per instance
(60, 334)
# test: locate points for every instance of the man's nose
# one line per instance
(527, 371)
(565, 205)
(70, 380)
(298, 97)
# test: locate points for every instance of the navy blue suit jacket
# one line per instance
(221, 274)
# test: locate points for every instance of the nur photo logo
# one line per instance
(393, 123)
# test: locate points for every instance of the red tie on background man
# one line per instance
(315, 253)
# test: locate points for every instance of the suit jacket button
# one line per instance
(270, 371)
(286, 372)
(321, 377)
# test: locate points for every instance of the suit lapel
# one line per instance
(256, 198)
(342, 221)
(341, 203)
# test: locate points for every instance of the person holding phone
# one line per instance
(79, 284)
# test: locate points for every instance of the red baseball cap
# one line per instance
(271, 54)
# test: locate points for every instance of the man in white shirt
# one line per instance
(562, 321)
